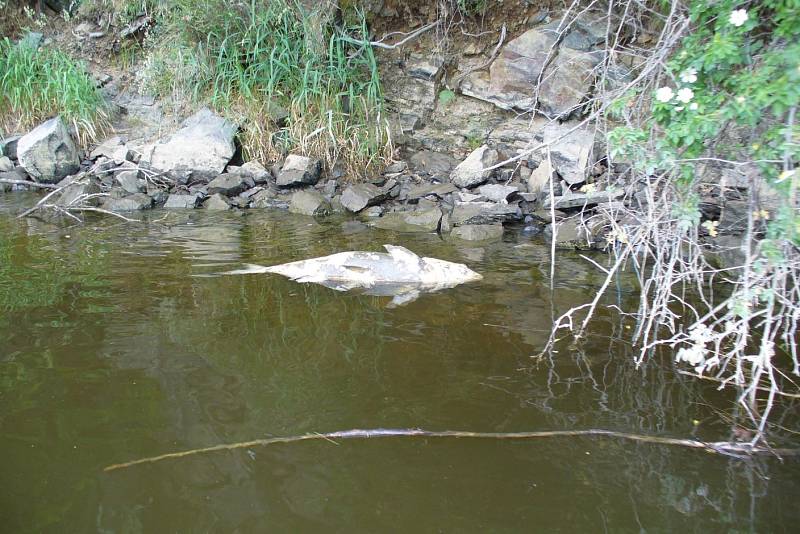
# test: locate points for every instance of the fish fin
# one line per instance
(401, 299)
(402, 255)
(250, 269)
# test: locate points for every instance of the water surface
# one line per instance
(114, 345)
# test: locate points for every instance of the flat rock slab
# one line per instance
(309, 203)
(478, 232)
(497, 192)
(432, 163)
(581, 200)
(48, 152)
(424, 190)
(467, 213)
(426, 220)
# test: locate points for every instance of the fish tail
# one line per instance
(249, 268)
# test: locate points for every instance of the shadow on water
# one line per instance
(111, 349)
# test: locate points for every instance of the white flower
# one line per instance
(693, 106)
(685, 95)
(701, 333)
(694, 355)
(689, 75)
(664, 94)
(738, 17)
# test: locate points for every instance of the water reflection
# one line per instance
(119, 352)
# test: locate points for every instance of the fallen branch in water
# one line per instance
(717, 447)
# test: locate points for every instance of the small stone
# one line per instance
(255, 171)
(373, 211)
(113, 149)
(439, 190)
(8, 146)
(478, 232)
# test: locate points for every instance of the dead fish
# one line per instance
(398, 273)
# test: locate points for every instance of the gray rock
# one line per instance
(497, 192)
(396, 168)
(733, 219)
(539, 180)
(129, 181)
(200, 149)
(268, 199)
(472, 171)
(478, 232)
(423, 190)
(182, 201)
(48, 152)
(569, 234)
(582, 200)
(570, 153)
(421, 220)
(6, 165)
(229, 184)
(358, 196)
(255, 171)
(32, 40)
(432, 163)
(17, 174)
(114, 149)
(8, 146)
(309, 202)
(136, 202)
(74, 194)
(484, 213)
(217, 202)
(461, 196)
(514, 76)
(159, 196)
(373, 211)
(299, 170)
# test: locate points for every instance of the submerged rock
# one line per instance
(478, 232)
(200, 149)
(299, 170)
(217, 202)
(421, 220)
(136, 202)
(48, 152)
(309, 203)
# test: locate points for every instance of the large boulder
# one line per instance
(472, 171)
(200, 150)
(48, 152)
(309, 203)
(299, 170)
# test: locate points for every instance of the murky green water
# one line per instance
(111, 349)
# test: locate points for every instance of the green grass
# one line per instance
(37, 84)
(244, 58)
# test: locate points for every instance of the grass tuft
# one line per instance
(249, 59)
(39, 83)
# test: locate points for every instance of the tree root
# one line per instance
(718, 447)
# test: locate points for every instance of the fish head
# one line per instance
(445, 272)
